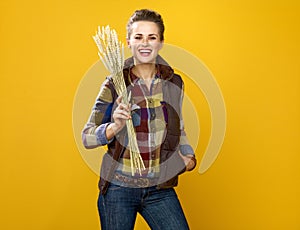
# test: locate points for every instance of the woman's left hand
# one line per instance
(189, 161)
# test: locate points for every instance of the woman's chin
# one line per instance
(145, 60)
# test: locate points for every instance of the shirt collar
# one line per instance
(133, 79)
(164, 71)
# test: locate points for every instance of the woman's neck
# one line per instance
(144, 71)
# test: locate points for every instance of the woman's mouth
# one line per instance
(145, 52)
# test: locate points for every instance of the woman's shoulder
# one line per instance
(176, 79)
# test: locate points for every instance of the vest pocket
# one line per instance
(171, 142)
(172, 118)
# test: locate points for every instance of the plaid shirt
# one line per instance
(149, 119)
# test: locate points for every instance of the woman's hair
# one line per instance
(146, 15)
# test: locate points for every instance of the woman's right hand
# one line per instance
(120, 115)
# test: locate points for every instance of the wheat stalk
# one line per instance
(111, 53)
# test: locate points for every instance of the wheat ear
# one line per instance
(111, 53)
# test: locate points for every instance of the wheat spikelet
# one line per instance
(111, 53)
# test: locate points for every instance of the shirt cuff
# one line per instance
(186, 150)
(101, 134)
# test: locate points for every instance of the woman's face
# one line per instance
(144, 42)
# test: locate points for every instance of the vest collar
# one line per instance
(165, 71)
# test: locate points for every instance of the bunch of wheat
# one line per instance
(111, 53)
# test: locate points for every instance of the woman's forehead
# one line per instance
(144, 27)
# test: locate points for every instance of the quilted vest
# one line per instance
(171, 164)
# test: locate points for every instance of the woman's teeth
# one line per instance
(145, 51)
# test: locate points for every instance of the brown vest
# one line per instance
(171, 164)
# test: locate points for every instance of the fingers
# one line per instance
(122, 109)
(188, 160)
(122, 113)
(119, 100)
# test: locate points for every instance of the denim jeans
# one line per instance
(159, 207)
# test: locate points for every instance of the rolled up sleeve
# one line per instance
(94, 131)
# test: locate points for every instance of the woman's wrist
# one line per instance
(111, 130)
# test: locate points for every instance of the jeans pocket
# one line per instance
(114, 187)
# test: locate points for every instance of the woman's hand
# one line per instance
(120, 115)
(189, 161)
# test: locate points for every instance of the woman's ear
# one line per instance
(161, 45)
(128, 43)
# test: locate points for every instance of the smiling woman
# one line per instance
(155, 108)
(144, 42)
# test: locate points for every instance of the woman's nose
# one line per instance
(145, 40)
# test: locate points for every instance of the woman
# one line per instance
(155, 109)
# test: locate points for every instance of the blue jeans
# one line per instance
(159, 207)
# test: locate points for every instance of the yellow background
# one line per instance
(252, 48)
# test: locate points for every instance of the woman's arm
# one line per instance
(93, 133)
(100, 129)
(186, 151)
